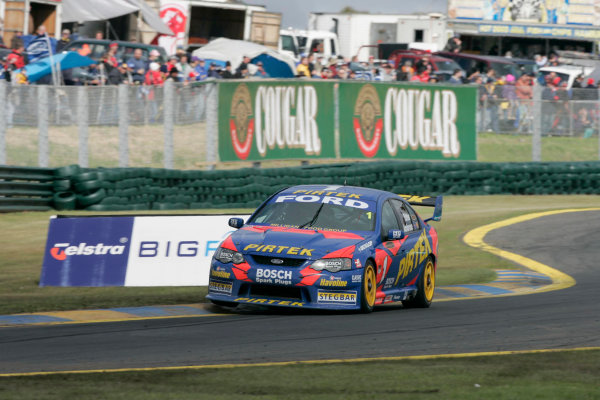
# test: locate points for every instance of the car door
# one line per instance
(409, 258)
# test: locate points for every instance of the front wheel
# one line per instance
(369, 288)
(425, 287)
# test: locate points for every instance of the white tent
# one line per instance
(99, 10)
(275, 64)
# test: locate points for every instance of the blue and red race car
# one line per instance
(329, 247)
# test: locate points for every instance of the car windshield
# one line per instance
(446, 66)
(318, 216)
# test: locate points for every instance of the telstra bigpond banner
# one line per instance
(132, 251)
(297, 120)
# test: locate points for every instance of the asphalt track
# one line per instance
(563, 319)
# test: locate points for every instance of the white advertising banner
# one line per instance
(174, 13)
(174, 251)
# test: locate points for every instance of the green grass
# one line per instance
(517, 148)
(548, 376)
(23, 237)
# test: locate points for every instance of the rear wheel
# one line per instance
(425, 287)
(369, 288)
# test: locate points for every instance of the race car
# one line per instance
(329, 247)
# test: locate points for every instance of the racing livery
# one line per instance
(330, 247)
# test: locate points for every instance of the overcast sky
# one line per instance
(295, 12)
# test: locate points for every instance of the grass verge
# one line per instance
(23, 236)
(559, 375)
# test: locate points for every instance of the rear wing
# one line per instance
(426, 201)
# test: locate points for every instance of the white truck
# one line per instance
(356, 30)
(295, 42)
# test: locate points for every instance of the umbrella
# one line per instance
(275, 64)
(66, 60)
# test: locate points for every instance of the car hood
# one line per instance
(292, 242)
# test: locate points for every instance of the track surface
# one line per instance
(561, 319)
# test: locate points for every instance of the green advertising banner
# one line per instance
(276, 120)
(407, 121)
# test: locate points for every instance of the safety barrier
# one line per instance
(26, 188)
(163, 189)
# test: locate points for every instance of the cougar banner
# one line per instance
(275, 120)
(407, 121)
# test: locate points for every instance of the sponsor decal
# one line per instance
(405, 125)
(220, 287)
(298, 251)
(414, 257)
(276, 276)
(336, 297)
(365, 246)
(333, 282)
(356, 278)
(367, 120)
(357, 263)
(272, 302)
(241, 121)
(60, 251)
(169, 248)
(327, 192)
(278, 116)
(324, 199)
(389, 282)
(220, 274)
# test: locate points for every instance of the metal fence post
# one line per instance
(169, 119)
(43, 145)
(212, 123)
(336, 120)
(82, 125)
(123, 126)
(3, 124)
(536, 137)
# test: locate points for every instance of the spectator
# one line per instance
(454, 44)
(302, 70)
(65, 39)
(137, 66)
(16, 58)
(226, 73)
(388, 73)
(173, 75)
(153, 76)
(213, 72)
(490, 102)
(243, 66)
(422, 64)
(17, 40)
(509, 97)
(112, 54)
(456, 77)
(171, 64)
(200, 70)
(326, 73)
(99, 35)
(524, 95)
(153, 56)
(314, 72)
(540, 61)
(184, 67)
(490, 76)
(260, 71)
(406, 72)
(118, 75)
(433, 79)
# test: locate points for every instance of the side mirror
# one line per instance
(395, 234)
(236, 222)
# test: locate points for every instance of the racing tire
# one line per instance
(369, 288)
(425, 287)
(222, 303)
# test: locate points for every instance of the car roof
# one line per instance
(364, 193)
(498, 59)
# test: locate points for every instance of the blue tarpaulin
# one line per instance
(62, 61)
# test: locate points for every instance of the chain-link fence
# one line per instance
(106, 125)
(176, 125)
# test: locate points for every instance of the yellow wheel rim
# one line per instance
(429, 280)
(370, 286)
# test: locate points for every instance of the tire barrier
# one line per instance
(122, 189)
(26, 188)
